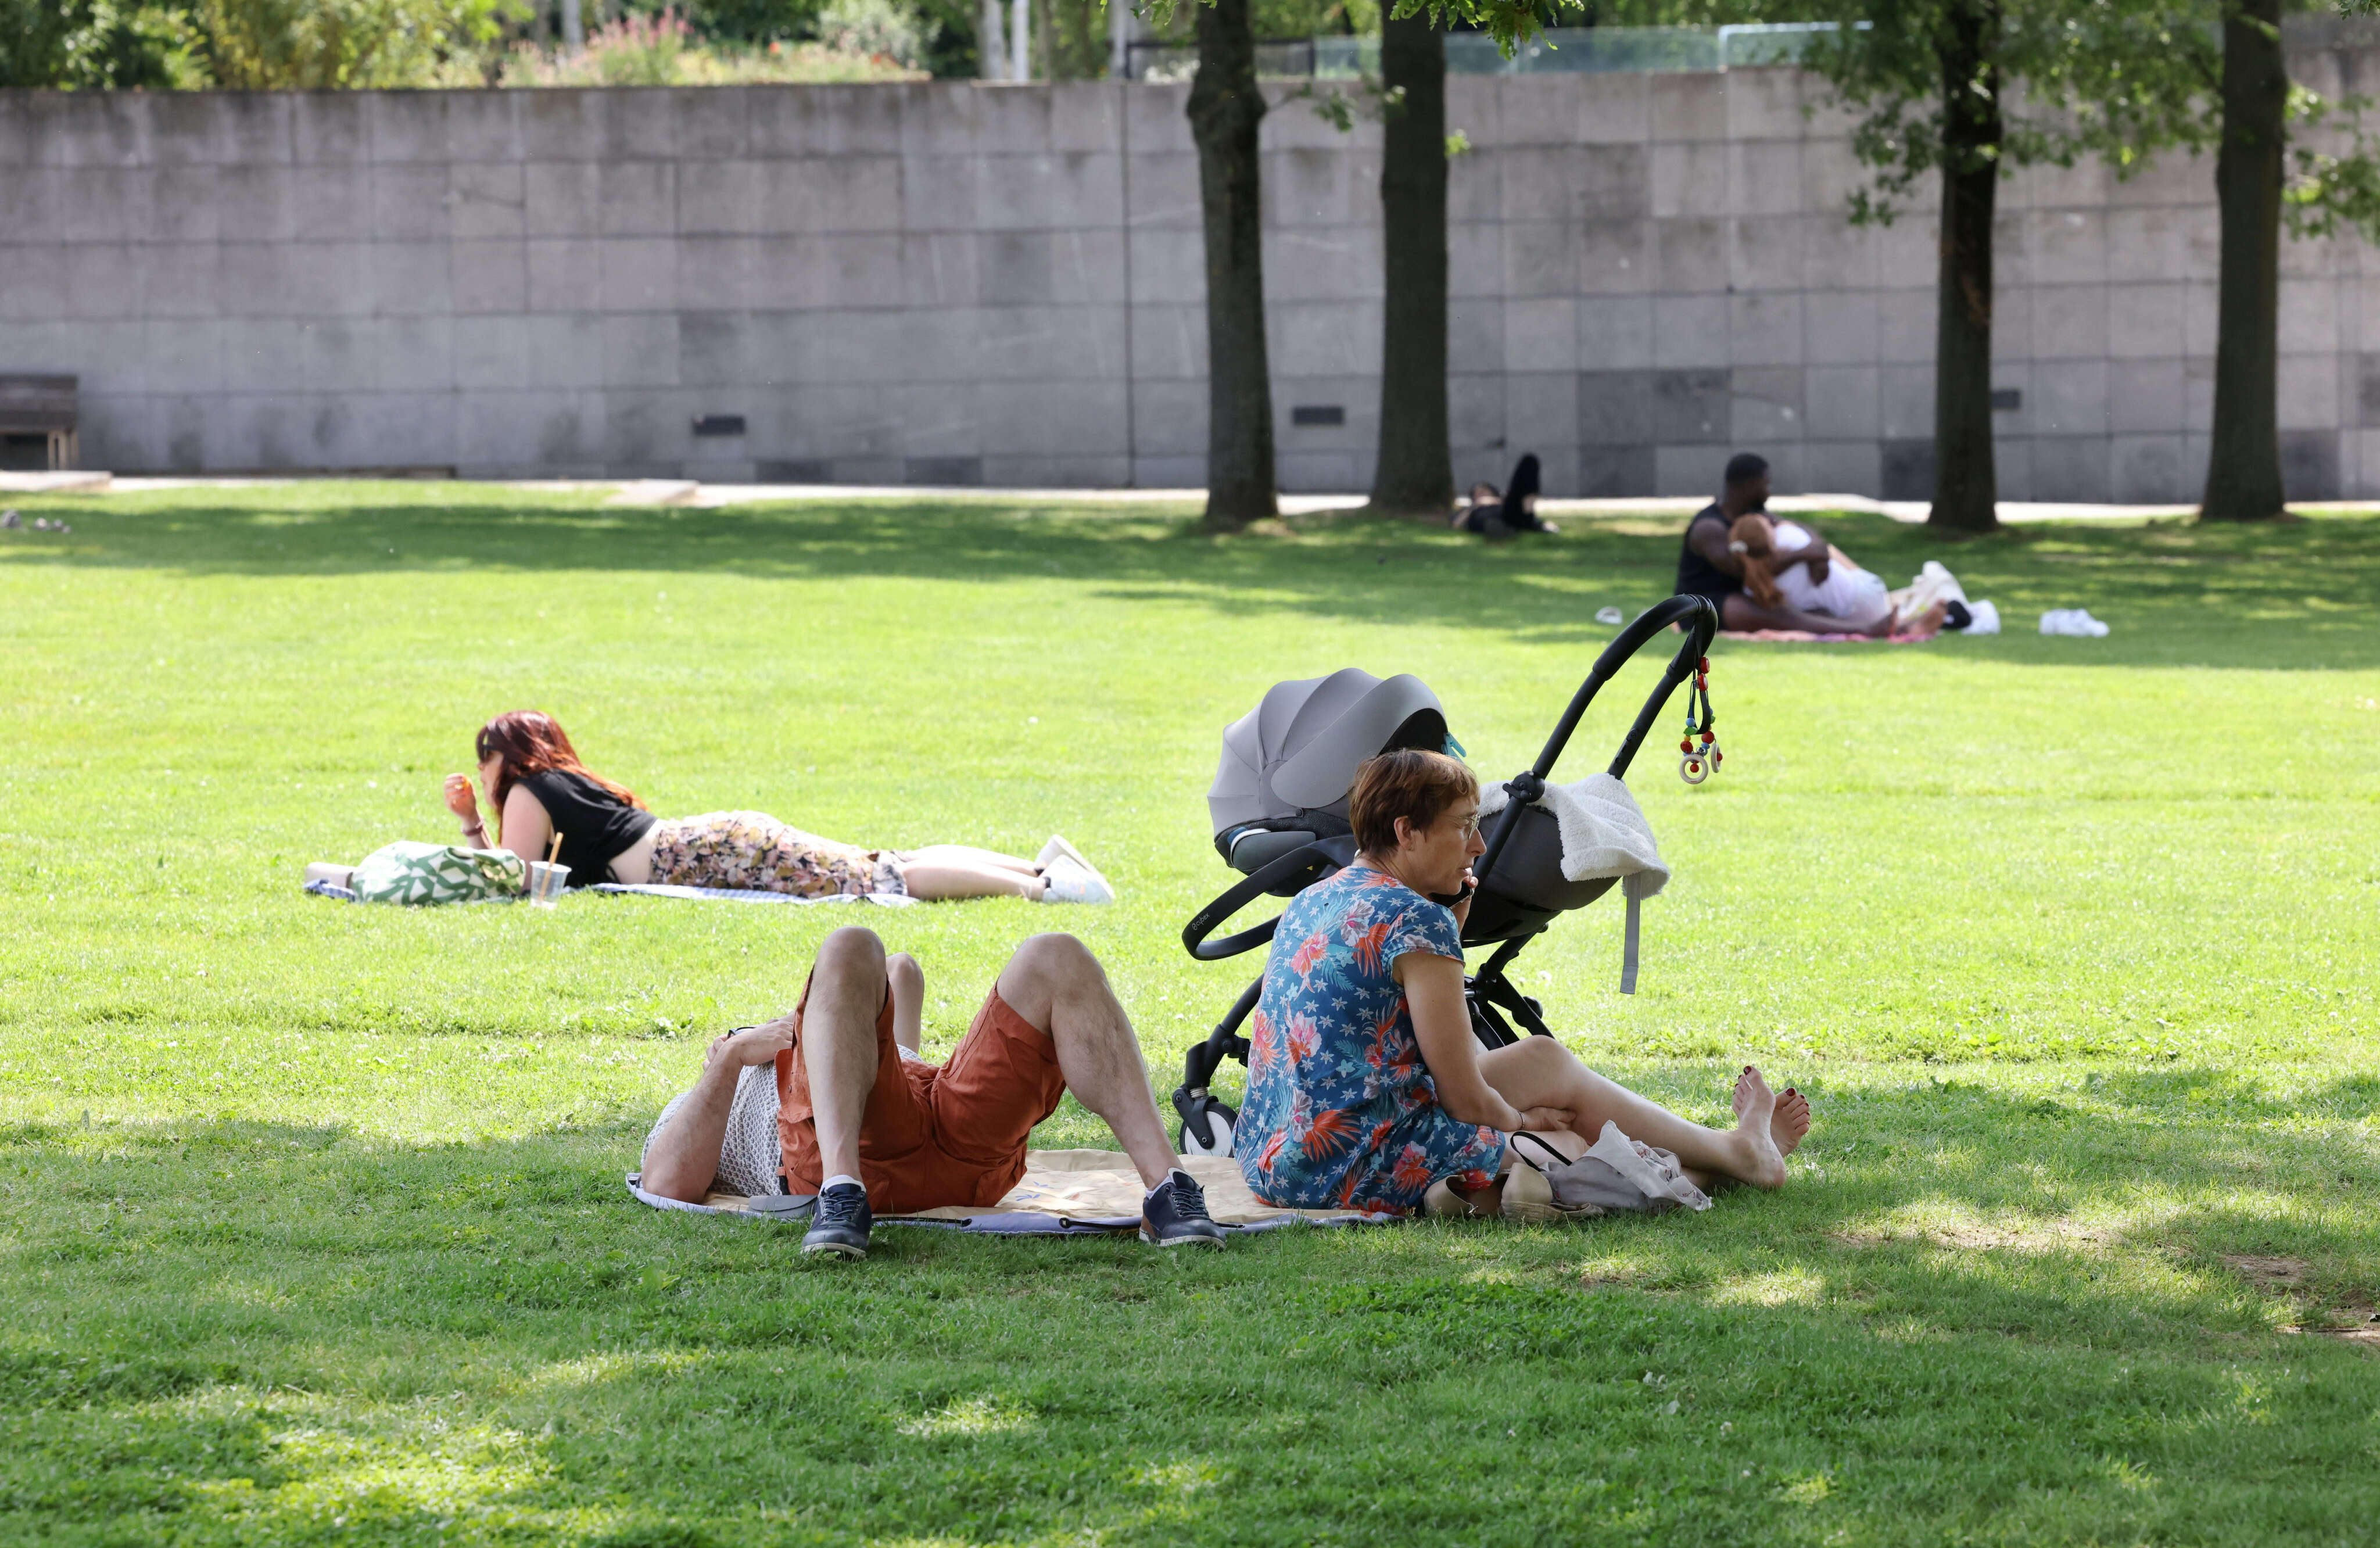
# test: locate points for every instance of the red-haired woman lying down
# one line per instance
(538, 785)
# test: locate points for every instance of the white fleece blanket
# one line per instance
(1603, 833)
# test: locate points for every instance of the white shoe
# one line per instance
(1529, 1193)
(1058, 846)
(1066, 882)
(1444, 1202)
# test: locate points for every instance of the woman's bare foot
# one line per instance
(1791, 1121)
(1760, 1162)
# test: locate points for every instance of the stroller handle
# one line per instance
(1322, 855)
(1699, 617)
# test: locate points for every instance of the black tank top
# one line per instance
(595, 824)
(1697, 577)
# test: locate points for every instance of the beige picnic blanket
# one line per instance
(1090, 1184)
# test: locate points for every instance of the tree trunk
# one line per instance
(1225, 108)
(990, 42)
(2243, 466)
(1966, 480)
(1414, 474)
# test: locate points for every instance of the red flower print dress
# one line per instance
(1340, 1112)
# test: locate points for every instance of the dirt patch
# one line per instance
(2352, 1324)
(2270, 1273)
(2047, 1236)
(2348, 1324)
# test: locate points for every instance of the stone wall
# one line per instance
(955, 283)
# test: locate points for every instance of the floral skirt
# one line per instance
(752, 851)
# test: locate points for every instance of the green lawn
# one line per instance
(310, 1219)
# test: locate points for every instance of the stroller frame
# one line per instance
(1511, 924)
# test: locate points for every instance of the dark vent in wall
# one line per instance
(2007, 397)
(1317, 413)
(720, 424)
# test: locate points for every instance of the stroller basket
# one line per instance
(1521, 889)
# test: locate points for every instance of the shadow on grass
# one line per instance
(2296, 596)
(1980, 1316)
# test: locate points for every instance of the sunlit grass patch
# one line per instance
(311, 1221)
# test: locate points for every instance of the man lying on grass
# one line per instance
(856, 1116)
(1365, 1088)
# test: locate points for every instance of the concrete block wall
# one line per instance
(953, 283)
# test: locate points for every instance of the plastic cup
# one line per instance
(546, 882)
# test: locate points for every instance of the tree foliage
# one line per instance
(325, 44)
(2121, 79)
(94, 45)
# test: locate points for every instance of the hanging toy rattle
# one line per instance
(1699, 760)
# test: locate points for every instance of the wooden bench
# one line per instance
(43, 406)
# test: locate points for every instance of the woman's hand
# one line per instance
(1544, 1118)
(1463, 910)
(463, 797)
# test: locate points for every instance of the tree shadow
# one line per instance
(243, 1327)
(2300, 596)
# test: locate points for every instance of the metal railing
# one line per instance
(1570, 50)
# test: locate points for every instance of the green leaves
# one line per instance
(95, 46)
(327, 44)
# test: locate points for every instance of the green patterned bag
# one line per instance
(425, 873)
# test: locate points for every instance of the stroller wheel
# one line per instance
(1206, 1127)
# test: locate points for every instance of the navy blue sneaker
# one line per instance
(842, 1223)
(1173, 1214)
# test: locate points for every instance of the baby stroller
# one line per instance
(1280, 810)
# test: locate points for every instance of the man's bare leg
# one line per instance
(838, 1046)
(1054, 982)
(906, 983)
(1539, 1072)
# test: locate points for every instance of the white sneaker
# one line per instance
(1058, 846)
(1066, 882)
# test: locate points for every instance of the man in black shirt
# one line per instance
(1710, 564)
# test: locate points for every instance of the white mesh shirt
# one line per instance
(747, 1154)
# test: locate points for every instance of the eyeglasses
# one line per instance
(1471, 827)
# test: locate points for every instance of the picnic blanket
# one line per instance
(748, 895)
(1063, 1193)
(1807, 637)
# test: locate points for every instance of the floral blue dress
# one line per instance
(1340, 1112)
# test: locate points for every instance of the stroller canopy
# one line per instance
(1298, 750)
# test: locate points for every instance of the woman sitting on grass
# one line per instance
(1365, 1088)
(538, 785)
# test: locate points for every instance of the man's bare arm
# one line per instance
(1710, 541)
(682, 1160)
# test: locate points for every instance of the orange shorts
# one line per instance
(932, 1134)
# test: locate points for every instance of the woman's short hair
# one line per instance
(1408, 782)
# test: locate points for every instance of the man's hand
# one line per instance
(754, 1045)
(462, 799)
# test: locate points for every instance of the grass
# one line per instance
(311, 1224)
